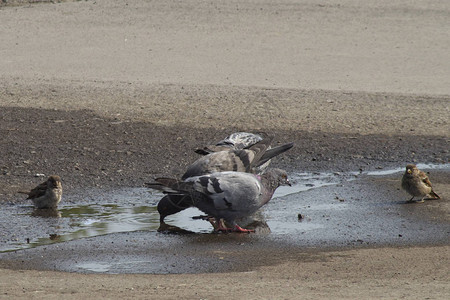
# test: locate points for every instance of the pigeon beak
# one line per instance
(288, 182)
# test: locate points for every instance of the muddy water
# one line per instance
(101, 212)
(320, 210)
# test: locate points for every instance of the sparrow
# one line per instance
(47, 194)
(417, 184)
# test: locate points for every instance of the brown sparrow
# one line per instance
(47, 194)
(417, 184)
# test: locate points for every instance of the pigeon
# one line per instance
(173, 203)
(226, 196)
(47, 194)
(237, 141)
(241, 140)
(248, 160)
(239, 160)
(417, 184)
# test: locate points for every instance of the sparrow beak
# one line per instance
(409, 171)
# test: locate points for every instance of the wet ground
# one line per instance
(116, 231)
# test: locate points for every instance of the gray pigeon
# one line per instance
(241, 140)
(237, 141)
(255, 159)
(244, 160)
(226, 196)
(173, 203)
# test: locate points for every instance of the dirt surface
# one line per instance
(393, 273)
(111, 94)
(130, 141)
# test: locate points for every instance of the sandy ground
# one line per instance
(393, 273)
(91, 89)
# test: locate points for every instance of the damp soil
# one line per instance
(117, 230)
(108, 114)
(89, 150)
(104, 159)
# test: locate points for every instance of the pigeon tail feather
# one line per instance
(270, 153)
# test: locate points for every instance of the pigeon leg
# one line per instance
(238, 228)
(213, 222)
(220, 226)
(210, 219)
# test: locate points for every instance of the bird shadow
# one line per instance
(171, 229)
(254, 222)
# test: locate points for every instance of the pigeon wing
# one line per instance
(208, 164)
(258, 149)
(240, 140)
(170, 186)
(236, 141)
(212, 148)
(230, 160)
(230, 190)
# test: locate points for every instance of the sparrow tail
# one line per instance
(436, 196)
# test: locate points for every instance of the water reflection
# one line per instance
(47, 226)
(109, 218)
(402, 169)
(125, 210)
(186, 218)
(46, 213)
(135, 210)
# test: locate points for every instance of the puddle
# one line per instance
(95, 267)
(109, 218)
(422, 167)
(125, 210)
(330, 210)
(306, 181)
(76, 222)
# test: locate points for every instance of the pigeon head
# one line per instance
(171, 204)
(277, 177)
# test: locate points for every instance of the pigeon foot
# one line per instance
(238, 228)
(221, 227)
